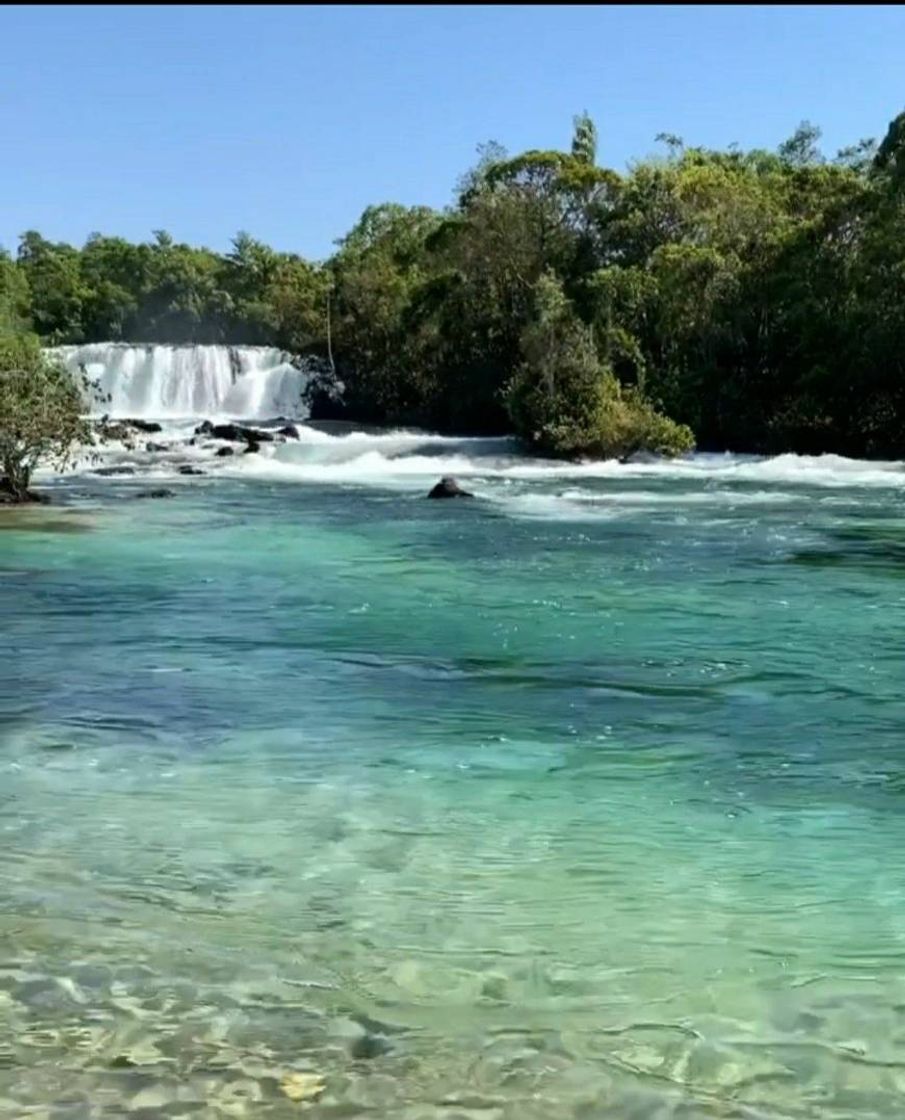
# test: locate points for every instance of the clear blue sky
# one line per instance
(287, 122)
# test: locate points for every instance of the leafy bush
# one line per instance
(41, 407)
(563, 402)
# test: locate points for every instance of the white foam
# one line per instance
(167, 382)
(404, 458)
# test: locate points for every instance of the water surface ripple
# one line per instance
(581, 800)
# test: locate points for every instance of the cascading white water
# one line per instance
(246, 382)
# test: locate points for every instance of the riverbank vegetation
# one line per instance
(751, 300)
(41, 419)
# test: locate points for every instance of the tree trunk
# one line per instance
(14, 479)
(330, 339)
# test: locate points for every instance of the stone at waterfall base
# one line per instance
(449, 488)
(113, 472)
(235, 433)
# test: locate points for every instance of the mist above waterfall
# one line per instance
(251, 382)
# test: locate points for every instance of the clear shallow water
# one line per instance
(581, 800)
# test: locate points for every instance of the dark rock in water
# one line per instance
(162, 493)
(151, 447)
(115, 430)
(148, 426)
(449, 488)
(222, 452)
(187, 469)
(237, 433)
(369, 1046)
(290, 431)
(110, 472)
(639, 457)
(324, 395)
(253, 446)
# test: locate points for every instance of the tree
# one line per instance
(889, 161)
(378, 269)
(584, 139)
(563, 402)
(114, 274)
(801, 148)
(14, 296)
(754, 295)
(40, 414)
(57, 294)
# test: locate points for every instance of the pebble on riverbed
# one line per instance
(303, 1086)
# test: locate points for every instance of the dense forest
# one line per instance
(756, 297)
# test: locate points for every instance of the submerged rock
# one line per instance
(148, 426)
(222, 452)
(449, 488)
(290, 431)
(303, 1086)
(187, 469)
(110, 472)
(152, 447)
(252, 448)
(368, 1046)
(162, 492)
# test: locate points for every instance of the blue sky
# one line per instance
(288, 121)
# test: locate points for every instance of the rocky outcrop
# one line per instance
(222, 452)
(235, 433)
(107, 430)
(252, 447)
(125, 431)
(113, 472)
(290, 431)
(324, 396)
(188, 469)
(153, 447)
(449, 488)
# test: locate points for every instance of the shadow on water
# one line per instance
(878, 548)
(31, 520)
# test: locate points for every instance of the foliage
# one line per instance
(754, 296)
(563, 402)
(14, 296)
(40, 412)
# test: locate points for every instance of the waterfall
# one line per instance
(243, 382)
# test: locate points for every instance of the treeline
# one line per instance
(757, 297)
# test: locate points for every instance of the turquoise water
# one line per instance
(583, 800)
